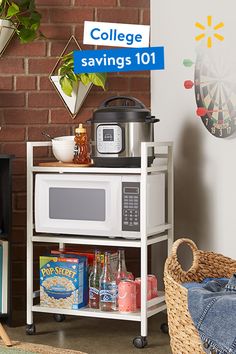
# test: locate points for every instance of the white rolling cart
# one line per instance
(164, 232)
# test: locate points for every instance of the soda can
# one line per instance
(138, 291)
(153, 280)
(127, 296)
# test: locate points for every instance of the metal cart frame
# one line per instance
(159, 234)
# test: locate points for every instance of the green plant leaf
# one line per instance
(62, 71)
(98, 79)
(66, 85)
(2, 10)
(27, 35)
(34, 26)
(27, 5)
(25, 21)
(67, 55)
(32, 5)
(69, 62)
(12, 10)
(84, 79)
(35, 17)
(71, 75)
(66, 59)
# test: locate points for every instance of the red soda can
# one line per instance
(138, 291)
(153, 280)
(127, 296)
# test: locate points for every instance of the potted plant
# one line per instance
(68, 79)
(72, 87)
(20, 17)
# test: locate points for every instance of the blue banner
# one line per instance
(112, 60)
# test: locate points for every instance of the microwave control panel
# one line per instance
(130, 206)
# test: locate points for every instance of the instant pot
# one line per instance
(118, 127)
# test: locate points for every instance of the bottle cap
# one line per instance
(80, 129)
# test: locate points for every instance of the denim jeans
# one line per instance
(212, 305)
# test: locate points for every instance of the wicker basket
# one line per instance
(184, 338)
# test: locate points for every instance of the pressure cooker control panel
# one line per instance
(109, 139)
(130, 206)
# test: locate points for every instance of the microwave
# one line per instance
(97, 204)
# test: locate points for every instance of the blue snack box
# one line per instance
(63, 282)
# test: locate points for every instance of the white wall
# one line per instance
(205, 166)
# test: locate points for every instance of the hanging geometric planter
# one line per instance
(77, 98)
(7, 31)
(74, 102)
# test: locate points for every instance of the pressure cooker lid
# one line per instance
(123, 109)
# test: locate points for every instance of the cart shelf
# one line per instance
(116, 315)
(134, 171)
(100, 241)
(162, 165)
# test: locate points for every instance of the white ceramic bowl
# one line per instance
(63, 148)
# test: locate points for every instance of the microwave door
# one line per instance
(74, 204)
(82, 204)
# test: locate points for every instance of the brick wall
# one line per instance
(29, 103)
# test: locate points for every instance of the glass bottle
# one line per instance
(108, 287)
(94, 281)
(121, 267)
(81, 150)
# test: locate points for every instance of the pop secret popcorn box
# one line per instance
(63, 282)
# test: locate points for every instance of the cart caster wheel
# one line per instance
(140, 342)
(165, 328)
(59, 318)
(30, 329)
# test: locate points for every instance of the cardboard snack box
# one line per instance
(63, 282)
